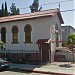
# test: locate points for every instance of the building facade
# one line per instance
(32, 36)
(66, 31)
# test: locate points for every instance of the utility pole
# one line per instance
(59, 6)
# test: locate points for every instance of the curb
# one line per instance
(44, 72)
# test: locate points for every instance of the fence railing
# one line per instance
(19, 51)
(20, 55)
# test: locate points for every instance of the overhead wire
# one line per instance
(68, 10)
(50, 3)
(56, 2)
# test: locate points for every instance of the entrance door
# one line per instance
(45, 52)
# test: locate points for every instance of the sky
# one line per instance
(67, 16)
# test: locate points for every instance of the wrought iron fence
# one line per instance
(21, 56)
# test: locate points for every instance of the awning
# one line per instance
(43, 41)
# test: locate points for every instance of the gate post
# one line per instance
(41, 55)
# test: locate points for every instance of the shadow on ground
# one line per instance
(66, 65)
(29, 66)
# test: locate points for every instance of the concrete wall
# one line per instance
(68, 55)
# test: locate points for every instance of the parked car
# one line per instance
(4, 65)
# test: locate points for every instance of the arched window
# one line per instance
(3, 34)
(15, 34)
(27, 30)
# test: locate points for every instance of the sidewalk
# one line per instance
(58, 68)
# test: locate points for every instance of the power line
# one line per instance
(56, 2)
(50, 3)
(68, 10)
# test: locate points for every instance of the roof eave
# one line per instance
(60, 17)
(25, 19)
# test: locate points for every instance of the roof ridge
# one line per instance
(44, 13)
(29, 13)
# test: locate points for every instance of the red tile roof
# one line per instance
(43, 13)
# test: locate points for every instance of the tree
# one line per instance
(1, 44)
(3, 11)
(71, 39)
(6, 11)
(71, 43)
(18, 11)
(35, 5)
(14, 10)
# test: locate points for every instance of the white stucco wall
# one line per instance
(40, 30)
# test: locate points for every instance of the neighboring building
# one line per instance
(32, 36)
(63, 53)
(66, 30)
